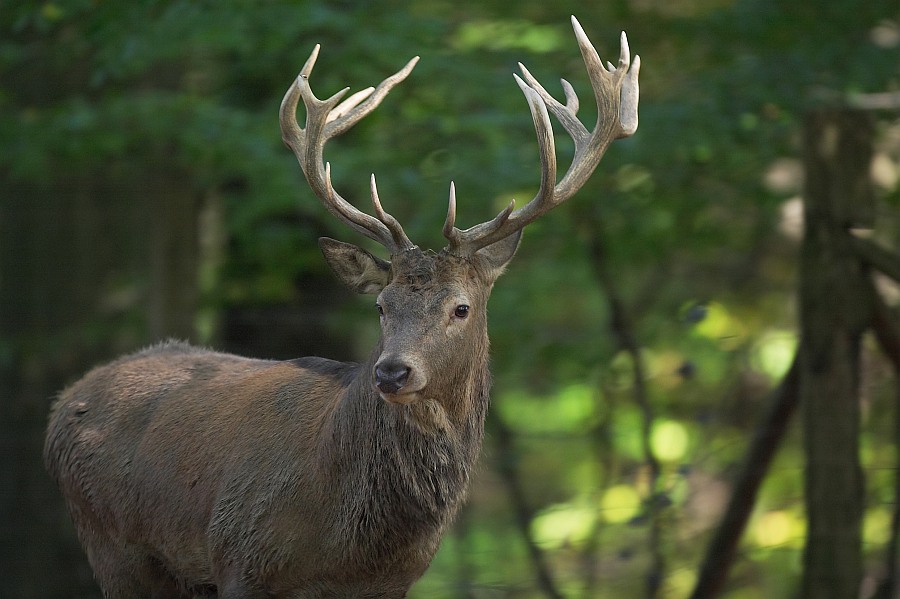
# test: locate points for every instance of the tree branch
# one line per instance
(523, 513)
(769, 435)
(875, 101)
(879, 258)
(887, 333)
(621, 326)
(602, 438)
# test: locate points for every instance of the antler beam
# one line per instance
(329, 118)
(616, 93)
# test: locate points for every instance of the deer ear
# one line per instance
(498, 254)
(358, 269)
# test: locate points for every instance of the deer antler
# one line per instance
(329, 118)
(616, 94)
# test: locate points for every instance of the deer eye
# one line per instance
(380, 309)
(461, 311)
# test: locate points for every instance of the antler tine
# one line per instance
(565, 114)
(450, 231)
(329, 118)
(399, 237)
(457, 237)
(509, 221)
(616, 93)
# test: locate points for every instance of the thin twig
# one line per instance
(621, 326)
(607, 458)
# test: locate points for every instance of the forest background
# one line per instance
(637, 337)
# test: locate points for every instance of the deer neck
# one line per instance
(407, 466)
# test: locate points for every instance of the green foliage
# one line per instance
(105, 97)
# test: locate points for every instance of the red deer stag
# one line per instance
(189, 472)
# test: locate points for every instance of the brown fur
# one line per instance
(190, 472)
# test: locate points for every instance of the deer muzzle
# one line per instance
(391, 376)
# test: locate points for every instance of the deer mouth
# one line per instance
(401, 397)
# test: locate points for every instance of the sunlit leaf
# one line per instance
(619, 503)
(778, 528)
(774, 353)
(564, 524)
(670, 440)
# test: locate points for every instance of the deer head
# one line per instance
(432, 306)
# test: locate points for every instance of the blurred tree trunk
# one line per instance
(174, 259)
(835, 309)
(88, 269)
(54, 251)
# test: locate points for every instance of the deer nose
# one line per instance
(390, 377)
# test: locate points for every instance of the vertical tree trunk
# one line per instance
(834, 311)
(49, 271)
(174, 260)
(61, 251)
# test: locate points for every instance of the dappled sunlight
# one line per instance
(877, 526)
(619, 503)
(507, 34)
(773, 353)
(670, 440)
(571, 410)
(721, 326)
(563, 525)
(778, 528)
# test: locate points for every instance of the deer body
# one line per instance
(204, 467)
(303, 505)
(189, 472)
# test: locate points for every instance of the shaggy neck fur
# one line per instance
(404, 469)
